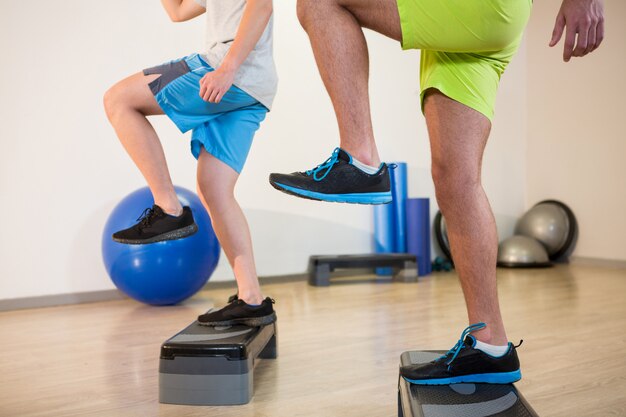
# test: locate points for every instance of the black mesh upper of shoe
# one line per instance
(342, 178)
(469, 361)
(153, 222)
(238, 309)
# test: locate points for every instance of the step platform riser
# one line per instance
(457, 400)
(402, 265)
(213, 365)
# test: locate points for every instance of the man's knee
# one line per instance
(206, 193)
(214, 193)
(310, 10)
(453, 182)
(112, 100)
(108, 100)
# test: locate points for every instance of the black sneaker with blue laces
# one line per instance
(155, 226)
(465, 364)
(337, 180)
(238, 312)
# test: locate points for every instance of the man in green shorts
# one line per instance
(466, 45)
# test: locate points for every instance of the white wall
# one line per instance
(576, 143)
(62, 169)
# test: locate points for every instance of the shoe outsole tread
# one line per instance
(335, 197)
(493, 378)
(173, 235)
(250, 322)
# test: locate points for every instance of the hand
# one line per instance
(584, 20)
(215, 84)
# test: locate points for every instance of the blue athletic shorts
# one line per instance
(224, 129)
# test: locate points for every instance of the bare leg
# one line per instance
(458, 135)
(340, 49)
(127, 104)
(216, 185)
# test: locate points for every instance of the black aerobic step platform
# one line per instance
(404, 265)
(205, 365)
(457, 400)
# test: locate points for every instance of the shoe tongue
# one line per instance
(157, 210)
(345, 156)
(470, 341)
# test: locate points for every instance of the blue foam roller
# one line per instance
(384, 238)
(418, 232)
(399, 193)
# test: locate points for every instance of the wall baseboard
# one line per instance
(112, 295)
(60, 299)
(606, 263)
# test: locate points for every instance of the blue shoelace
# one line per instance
(326, 165)
(461, 343)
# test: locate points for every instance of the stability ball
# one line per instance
(522, 252)
(441, 233)
(161, 273)
(553, 224)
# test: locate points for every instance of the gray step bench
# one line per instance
(457, 400)
(403, 265)
(204, 365)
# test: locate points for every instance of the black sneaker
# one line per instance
(233, 297)
(465, 364)
(238, 312)
(155, 225)
(337, 180)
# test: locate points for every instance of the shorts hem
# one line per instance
(196, 149)
(171, 114)
(463, 99)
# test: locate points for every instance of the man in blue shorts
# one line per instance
(466, 45)
(222, 96)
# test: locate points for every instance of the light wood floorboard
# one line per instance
(339, 347)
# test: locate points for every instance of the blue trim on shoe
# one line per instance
(326, 165)
(461, 342)
(356, 198)
(494, 378)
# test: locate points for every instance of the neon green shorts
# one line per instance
(466, 45)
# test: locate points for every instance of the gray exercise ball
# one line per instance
(444, 234)
(522, 251)
(441, 234)
(548, 223)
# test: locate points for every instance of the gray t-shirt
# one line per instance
(257, 75)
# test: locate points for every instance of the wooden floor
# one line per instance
(339, 347)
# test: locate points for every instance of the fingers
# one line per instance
(591, 40)
(213, 96)
(211, 93)
(557, 32)
(583, 36)
(599, 33)
(590, 36)
(583, 25)
(570, 41)
(205, 91)
(213, 87)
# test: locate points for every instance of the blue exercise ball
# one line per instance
(161, 273)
